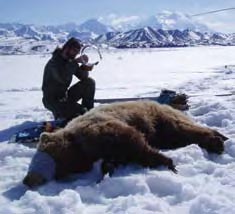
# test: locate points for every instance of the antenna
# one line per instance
(213, 11)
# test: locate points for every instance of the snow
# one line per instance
(205, 183)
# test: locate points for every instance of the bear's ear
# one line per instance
(44, 137)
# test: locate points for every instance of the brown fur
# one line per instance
(128, 132)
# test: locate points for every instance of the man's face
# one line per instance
(72, 52)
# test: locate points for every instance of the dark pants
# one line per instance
(84, 90)
(69, 108)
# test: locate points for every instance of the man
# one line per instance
(58, 96)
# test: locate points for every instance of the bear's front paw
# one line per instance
(217, 145)
(33, 180)
(217, 134)
(171, 166)
(108, 167)
(214, 145)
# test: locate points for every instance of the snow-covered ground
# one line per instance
(205, 183)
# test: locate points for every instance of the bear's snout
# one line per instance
(33, 180)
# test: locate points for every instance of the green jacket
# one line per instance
(58, 74)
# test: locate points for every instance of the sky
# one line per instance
(63, 11)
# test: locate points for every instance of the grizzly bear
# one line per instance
(119, 134)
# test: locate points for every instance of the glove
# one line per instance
(85, 67)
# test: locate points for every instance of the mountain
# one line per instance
(89, 30)
(6, 33)
(95, 27)
(165, 29)
(150, 37)
(27, 31)
(83, 36)
(10, 26)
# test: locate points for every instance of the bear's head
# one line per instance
(58, 154)
(43, 165)
(41, 169)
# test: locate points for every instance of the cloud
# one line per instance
(120, 22)
(115, 19)
(221, 22)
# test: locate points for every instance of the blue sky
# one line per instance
(62, 11)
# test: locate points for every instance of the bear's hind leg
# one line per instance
(123, 144)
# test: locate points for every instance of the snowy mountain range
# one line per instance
(150, 37)
(166, 29)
